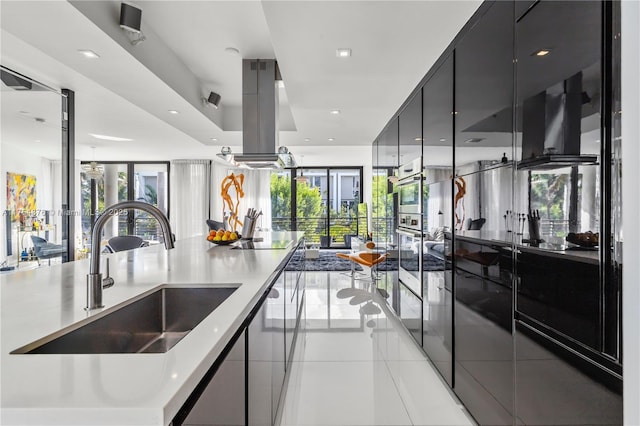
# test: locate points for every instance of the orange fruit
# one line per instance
(220, 233)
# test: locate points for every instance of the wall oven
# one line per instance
(409, 187)
(409, 230)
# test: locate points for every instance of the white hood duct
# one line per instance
(260, 119)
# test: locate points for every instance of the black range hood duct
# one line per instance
(260, 118)
(551, 127)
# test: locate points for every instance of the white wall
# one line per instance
(630, 208)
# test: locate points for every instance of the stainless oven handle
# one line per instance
(409, 233)
(408, 181)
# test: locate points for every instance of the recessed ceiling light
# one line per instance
(110, 138)
(173, 111)
(24, 112)
(331, 139)
(443, 140)
(334, 111)
(474, 140)
(343, 52)
(88, 53)
(214, 139)
(417, 139)
(541, 52)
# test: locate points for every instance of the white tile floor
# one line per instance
(354, 368)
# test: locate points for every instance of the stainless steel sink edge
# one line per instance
(97, 315)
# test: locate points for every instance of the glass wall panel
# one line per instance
(31, 172)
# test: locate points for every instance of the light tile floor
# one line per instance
(354, 364)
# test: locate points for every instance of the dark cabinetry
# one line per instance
(437, 121)
(519, 116)
(483, 328)
(245, 385)
(388, 146)
(483, 298)
(410, 130)
(484, 91)
(223, 401)
(411, 312)
(563, 319)
(260, 367)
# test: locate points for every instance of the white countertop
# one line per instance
(120, 389)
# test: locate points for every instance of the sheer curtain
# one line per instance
(257, 195)
(190, 195)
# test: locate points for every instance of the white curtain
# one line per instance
(190, 197)
(257, 193)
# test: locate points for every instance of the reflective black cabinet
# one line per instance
(483, 298)
(522, 168)
(223, 401)
(410, 130)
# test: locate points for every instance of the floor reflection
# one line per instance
(355, 364)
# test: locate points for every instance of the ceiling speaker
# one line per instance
(213, 99)
(130, 17)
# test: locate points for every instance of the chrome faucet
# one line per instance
(95, 283)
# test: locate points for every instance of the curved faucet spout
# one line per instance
(94, 278)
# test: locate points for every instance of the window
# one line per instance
(323, 204)
(147, 182)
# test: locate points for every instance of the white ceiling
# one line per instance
(128, 91)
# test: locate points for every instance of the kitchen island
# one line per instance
(121, 388)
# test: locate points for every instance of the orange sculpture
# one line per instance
(236, 182)
(461, 185)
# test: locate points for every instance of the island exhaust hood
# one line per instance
(260, 119)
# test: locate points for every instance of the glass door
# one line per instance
(312, 191)
(150, 185)
(327, 203)
(106, 183)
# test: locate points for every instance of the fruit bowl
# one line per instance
(223, 243)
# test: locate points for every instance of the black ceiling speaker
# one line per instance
(130, 17)
(213, 99)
